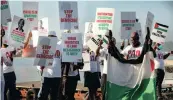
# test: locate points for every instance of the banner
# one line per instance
(45, 51)
(105, 19)
(30, 12)
(68, 14)
(93, 43)
(5, 12)
(159, 33)
(149, 21)
(5, 33)
(72, 47)
(19, 31)
(128, 20)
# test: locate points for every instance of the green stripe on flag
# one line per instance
(105, 41)
(162, 29)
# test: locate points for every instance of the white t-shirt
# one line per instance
(104, 53)
(131, 52)
(159, 61)
(7, 63)
(94, 63)
(55, 69)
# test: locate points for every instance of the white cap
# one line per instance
(52, 33)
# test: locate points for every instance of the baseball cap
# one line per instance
(52, 33)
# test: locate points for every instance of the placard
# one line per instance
(20, 29)
(68, 14)
(149, 21)
(128, 20)
(5, 12)
(30, 12)
(72, 47)
(45, 51)
(105, 19)
(159, 33)
(5, 32)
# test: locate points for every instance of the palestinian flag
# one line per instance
(131, 82)
(161, 27)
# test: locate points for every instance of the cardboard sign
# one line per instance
(5, 34)
(45, 51)
(159, 33)
(72, 47)
(128, 20)
(5, 12)
(68, 14)
(19, 31)
(30, 12)
(93, 43)
(43, 26)
(139, 31)
(149, 21)
(105, 19)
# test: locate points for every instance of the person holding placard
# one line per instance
(104, 53)
(70, 72)
(92, 77)
(159, 68)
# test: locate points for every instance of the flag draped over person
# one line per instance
(131, 81)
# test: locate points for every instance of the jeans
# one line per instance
(10, 84)
(50, 85)
(159, 79)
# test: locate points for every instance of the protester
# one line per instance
(104, 53)
(71, 76)
(92, 77)
(2, 81)
(8, 70)
(159, 68)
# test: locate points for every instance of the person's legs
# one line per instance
(45, 89)
(55, 86)
(2, 90)
(10, 84)
(70, 88)
(92, 93)
(103, 86)
(159, 79)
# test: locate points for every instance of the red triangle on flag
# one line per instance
(156, 25)
(152, 64)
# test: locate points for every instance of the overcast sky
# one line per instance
(163, 11)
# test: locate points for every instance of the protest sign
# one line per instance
(30, 12)
(149, 21)
(105, 19)
(4, 33)
(43, 27)
(159, 33)
(72, 47)
(128, 20)
(93, 43)
(19, 31)
(45, 52)
(139, 31)
(68, 14)
(5, 12)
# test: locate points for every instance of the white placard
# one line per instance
(72, 47)
(68, 14)
(20, 29)
(149, 21)
(45, 51)
(159, 33)
(5, 12)
(104, 19)
(128, 20)
(30, 12)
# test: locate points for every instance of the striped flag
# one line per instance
(161, 27)
(131, 82)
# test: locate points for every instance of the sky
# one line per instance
(163, 11)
